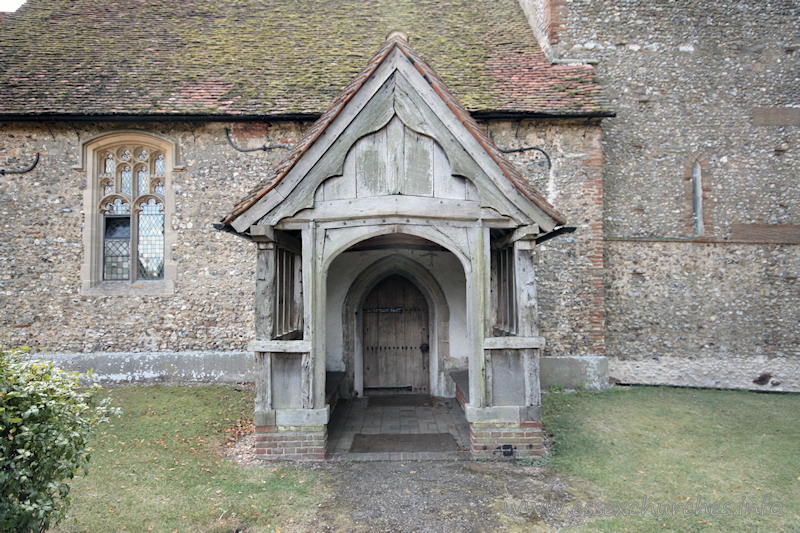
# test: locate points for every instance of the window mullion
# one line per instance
(135, 244)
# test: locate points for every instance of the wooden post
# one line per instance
(263, 381)
(477, 301)
(264, 296)
(265, 290)
(527, 320)
(530, 368)
(527, 310)
(314, 293)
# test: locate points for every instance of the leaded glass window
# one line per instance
(116, 207)
(133, 239)
(159, 170)
(126, 177)
(109, 165)
(151, 240)
(144, 180)
(116, 248)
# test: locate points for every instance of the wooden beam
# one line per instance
(299, 346)
(307, 381)
(265, 290)
(383, 206)
(524, 233)
(296, 191)
(477, 308)
(318, 288)
(512, 343)
(263, 381)
(360, 100)
(530, 369)
(395, 240)
(527, 307)
(269, 234)
(414, 87)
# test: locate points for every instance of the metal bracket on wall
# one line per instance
(536, 148)
(3, 171)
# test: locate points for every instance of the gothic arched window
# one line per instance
(127, 233)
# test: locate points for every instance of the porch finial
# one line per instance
(398, 34)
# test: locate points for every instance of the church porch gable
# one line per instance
(396, 162)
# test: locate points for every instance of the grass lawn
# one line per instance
(159, 468)
(672, 446)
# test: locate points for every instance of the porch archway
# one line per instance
(439, 315)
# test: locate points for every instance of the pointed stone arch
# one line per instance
(439, 320)
(160, 158)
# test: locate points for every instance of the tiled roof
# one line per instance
(269, 57)
(318, 128)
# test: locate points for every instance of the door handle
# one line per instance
(424, 347)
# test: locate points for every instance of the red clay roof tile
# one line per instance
(269, 59)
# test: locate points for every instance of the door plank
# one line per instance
(395, 319)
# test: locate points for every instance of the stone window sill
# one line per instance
(124, 288)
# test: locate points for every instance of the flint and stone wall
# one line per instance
(569, 268)
(40, 301)
(211, 310)
(713, 83)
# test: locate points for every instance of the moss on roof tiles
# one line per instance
(262, 57)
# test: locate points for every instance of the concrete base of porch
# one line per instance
(588, 372)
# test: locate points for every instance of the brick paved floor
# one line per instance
(357, 416)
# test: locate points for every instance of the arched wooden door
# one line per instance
(395, 322)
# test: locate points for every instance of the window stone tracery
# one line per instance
(132, 236)
(127, 232)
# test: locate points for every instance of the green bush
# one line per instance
(46, 418)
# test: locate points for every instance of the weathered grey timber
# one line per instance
(398, 163)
